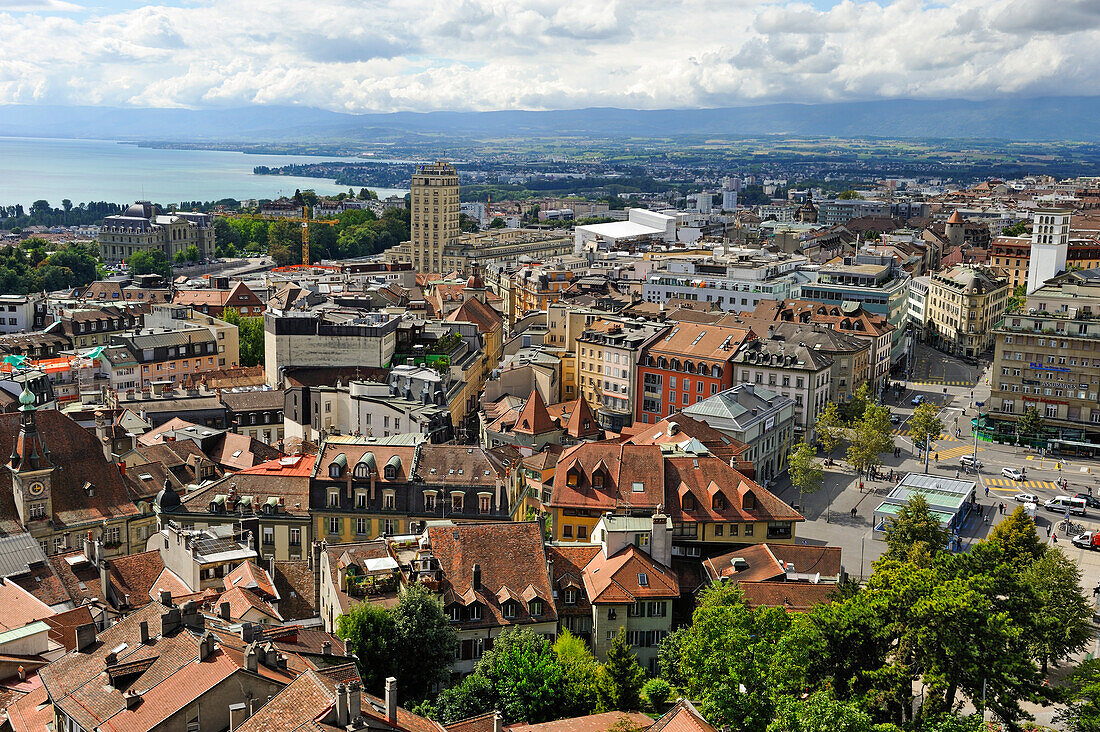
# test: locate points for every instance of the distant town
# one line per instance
(557, 451)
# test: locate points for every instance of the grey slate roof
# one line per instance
(17, 553)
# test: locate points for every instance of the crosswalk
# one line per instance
(904, 432)
(954, 452)
(1019, 485)
(941, 382)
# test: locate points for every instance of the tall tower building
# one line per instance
(1049, 246)
(434, 214)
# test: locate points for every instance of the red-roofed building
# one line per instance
(686, 364)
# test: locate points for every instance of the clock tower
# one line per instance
(30, 466)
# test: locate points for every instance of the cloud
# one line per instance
(347, 55)
(39, 6)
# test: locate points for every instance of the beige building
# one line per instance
(434, 214)
(1047, 356)
(142, 228)
(964, 304)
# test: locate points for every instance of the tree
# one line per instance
(915, 527)
(497, 223)
(821, 712)
(1016, 301)
(371, 635)
(805, 472)
(871, 438)
(1061, 622)
(322, 242)
(426, 640)
(620, 680)
(668, 657)
(924, 426)
(150, 261)
(1030, 423)
(828, 428)
(250, 336)
(284, 242)
(1015, 540)
(848, 195)
(526, 676)
(1082, 698)
(1018, 229)
(467, 223)
(656, 693)
(580, 673)
(367, 195)
(190, 254)
(473, 696)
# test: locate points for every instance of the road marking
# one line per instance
(1018, 484)
(954, 452)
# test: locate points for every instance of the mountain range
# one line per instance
(1039, 119)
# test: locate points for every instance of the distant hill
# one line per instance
(1055, 118)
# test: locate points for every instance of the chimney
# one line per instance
(252, 658)
(131, 698)
(391, 700)
(341, 706)
(660, 540)
(223, 611)
(22, 673)
(354, 701)
(166, 598)
(169, 621)
(207, 646)
(326, 648)
(238, 713)
(85, 636)
(247, 634)
(477, 577)
(498, 722)
(143, 630)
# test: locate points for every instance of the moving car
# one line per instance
(1087, 540)
(1012, 474)
(1090, 500)
(970, 461)
(1026, 498)
(918, 400)
(895, 418)
(1061, 504)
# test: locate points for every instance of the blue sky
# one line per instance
(375, 55)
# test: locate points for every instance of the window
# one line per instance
(718, 529)
(269, 536)
(571, 594)
(748, 529)
(389, 501)
(637, 487)
(455, 613)
(456, 503)
(360, 500)
(388, 527)
(429, 501)
(295, 537)
(643, 579)
(361, 526)
(475, 611)
(334, 499)
(38, 510)
(509, 609)
(567, 531)
(334, 525)
(484, 504)
(582, 532)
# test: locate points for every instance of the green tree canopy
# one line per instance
(925, 425)
(427, 642)
(620, 679)
(151, 261)
(1030, 423)
(370, 633)
(915, 527)
(871, 437)
(804, 470)
(250, 334)
(1082, 697)
(829, 428)
(580, 672)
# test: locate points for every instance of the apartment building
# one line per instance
(964, 303)
(686, 363)
(22, 313)
(338, 337)
(877, 282)
(791, 369)
(1047, 356)
(535, 288)
(434, 204)
(607, 363)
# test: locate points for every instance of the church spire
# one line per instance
(29, 452)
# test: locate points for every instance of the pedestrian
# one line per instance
(1054, 538)
(937, 458)
(956, 473)
(861, 486)
(987, 491)
(1048, 531)
(1096, 590)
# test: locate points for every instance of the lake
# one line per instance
(101, 170)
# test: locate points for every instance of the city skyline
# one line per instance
(482, 55)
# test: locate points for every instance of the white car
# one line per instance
(1026, 498)
(1012, 474)
(970, 461)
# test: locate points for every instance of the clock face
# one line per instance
(36, 488)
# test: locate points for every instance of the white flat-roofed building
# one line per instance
(640, 224)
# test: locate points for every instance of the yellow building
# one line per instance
(434, 214)
(964, 304)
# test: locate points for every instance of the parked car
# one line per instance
(970, 461)
(1026, 498)
(1012, 473)
(1090, 500)
(918, 400)
(895, 418)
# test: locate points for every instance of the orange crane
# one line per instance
(305, 222)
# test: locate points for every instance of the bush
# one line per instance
(656, 693)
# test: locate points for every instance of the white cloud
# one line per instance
(348, 55)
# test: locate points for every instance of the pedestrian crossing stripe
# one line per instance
(941, 382)
(1021, 484)
(954, 452)
(904, 432)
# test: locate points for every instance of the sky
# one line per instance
(427, 55)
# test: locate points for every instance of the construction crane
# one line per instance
(305, 222)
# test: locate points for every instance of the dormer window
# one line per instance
(475, 611)
(748, 503)
(572, 478)
(390, 472)
(719, 502)
(570, 597)
(688, 502)
(597, 479)
(509, 609)
(535, 607)
(455, 613)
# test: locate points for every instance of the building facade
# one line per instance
(142, 228)
(964, 304)
(434, 221)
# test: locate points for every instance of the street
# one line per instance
(829, 511)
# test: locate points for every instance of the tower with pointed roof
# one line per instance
(955, 230)
(807, 212)
(31, 468)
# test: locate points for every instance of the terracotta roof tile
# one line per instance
(793, 596)
(592, 723)
(534, 419)
(294, 582)
(683, 717)
(619, 578)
